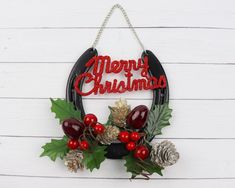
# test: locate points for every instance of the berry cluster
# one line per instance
(77, 131)
(134, 140)
(81, 133)
(131, 140)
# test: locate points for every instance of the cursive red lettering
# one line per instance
(101, 64)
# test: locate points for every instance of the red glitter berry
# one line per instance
(90, 119)
(141, 152)
(73, 144)
(84, 145)
(130, 146)
(124, 136)
(135, 136)
(98, 128)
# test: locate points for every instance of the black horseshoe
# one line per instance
(160, 96)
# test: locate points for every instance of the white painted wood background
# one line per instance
(194, 40)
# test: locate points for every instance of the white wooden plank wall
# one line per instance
(195, 41)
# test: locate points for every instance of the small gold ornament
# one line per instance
(73, 160)
(109, 136)
(164, 153)
(119, 113)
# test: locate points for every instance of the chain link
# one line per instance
(116, 6)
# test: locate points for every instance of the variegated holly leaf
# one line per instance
(158, 118)
(143, 168)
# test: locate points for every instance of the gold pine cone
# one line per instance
(109, 136)
(119, 113)
(73, 160)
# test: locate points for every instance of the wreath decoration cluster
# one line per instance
(128, 133)
(86, 140)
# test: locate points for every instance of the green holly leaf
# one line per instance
(152, 168)
(56, 148)
(131, 166)
(138, 167)
(109, 121)
(64, 110)
(158, 118)
(93, 158)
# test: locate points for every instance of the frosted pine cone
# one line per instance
(119, 113)
(164, 154)
(73, 160)
(110, 135)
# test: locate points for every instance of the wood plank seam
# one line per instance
(108, 178)
(162, 138)
(139, 27)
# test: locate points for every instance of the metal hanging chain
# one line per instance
(117, 6)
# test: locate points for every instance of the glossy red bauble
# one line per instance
(98, 128)
(83, 145)
(90, 119)
(73, 144)
(73, 128)
(130, 146)
(137, 118)
(124, 136)
(141, 152)
(135, 136)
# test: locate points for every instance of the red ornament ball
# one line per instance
(90, 119)
(124, 136)
(98, 128)
(130, 146)
(84, 145)
(73, 144)
(141, 152)
(135, 136)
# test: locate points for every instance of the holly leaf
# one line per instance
(137, 167)
(56, 148)
(158, 119)
(64, 110)
(93, 158)
(109, 121)
(152, 168)
(131, 166)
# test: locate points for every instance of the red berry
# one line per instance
(135, 136)
(90, 119)
(73, 128)
(141, 152)
(73, 144)
(124, 136)
(84, 145)
(130, 146)
(98, 128)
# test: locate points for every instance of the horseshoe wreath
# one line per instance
(129, 132)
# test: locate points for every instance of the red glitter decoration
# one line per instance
(103, 64)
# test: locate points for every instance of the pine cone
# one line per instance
(73, 160)
(164, 154)
(119, 113)
(110, 135)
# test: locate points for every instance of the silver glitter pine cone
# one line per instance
(109, 136)
(164, 154)
(73, 160)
